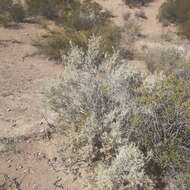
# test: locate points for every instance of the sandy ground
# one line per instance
(23, 80)
(33, 162)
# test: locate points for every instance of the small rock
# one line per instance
(20, 167)
(13, 125)
(9, 161)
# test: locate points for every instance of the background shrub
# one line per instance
(47, 8)
(76, 24)
(165, 59)
(177, 11)
(58, 41)
(131, 33)
(11, 12)
(137, 2)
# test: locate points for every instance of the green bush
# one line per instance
(178, 12)
(163, 123)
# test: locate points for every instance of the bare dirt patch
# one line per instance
(22, 78)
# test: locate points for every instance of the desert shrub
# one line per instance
(101, 107)
(5, 19)
(137, 2)
(187, 176)
(71, 13)
(165, 59)
(56, 42)
(131, 33)
(9, 183)
(77, 22)
(127, 171)
(84, 16)
(164, 122)
(46, 8)
(183, 71)
(177, 11)
(5, 5)
(11, 11)
(17, 12)
(92, 102)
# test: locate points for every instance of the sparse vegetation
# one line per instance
(77, 22)
(117, 129)
(137, 2)
(177, 11)
(11, 11)
(165, 59)
(103, 108)
(130, 35)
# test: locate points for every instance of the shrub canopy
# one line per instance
(177, 11)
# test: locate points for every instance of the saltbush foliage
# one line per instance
(113, 123)
(91, 102)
